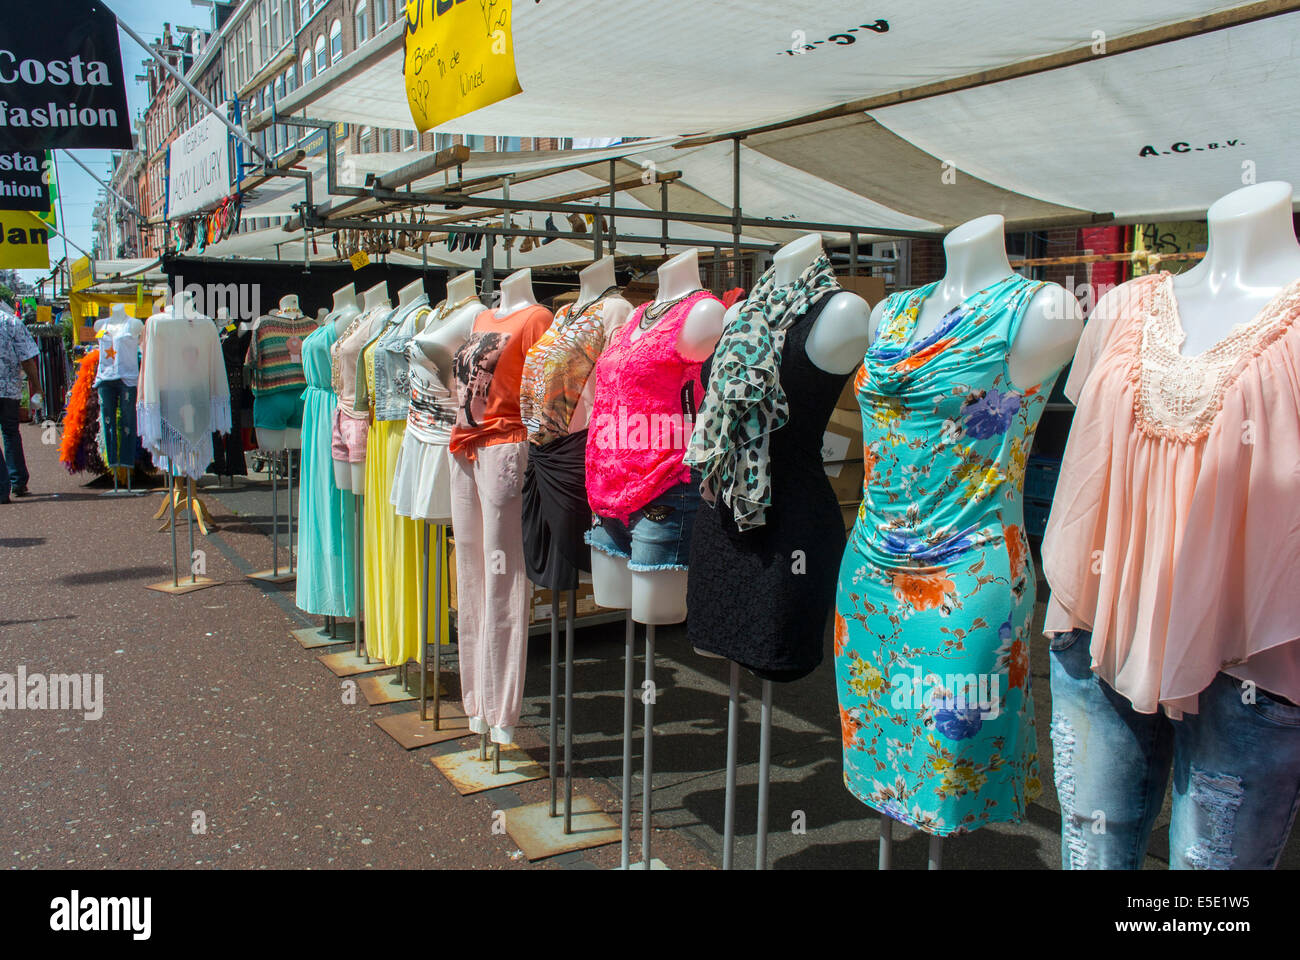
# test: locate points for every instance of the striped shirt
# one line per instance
(275, 354)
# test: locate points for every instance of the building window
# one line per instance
(506, 144)
(321, 61)
(275, 22)
(286, 17)
(441, 141)
(381, 14)
(364, 140)
(473, 141)
(265, 36)
(361, 18)
(336, 42)
(304, 12)
(408, 139)
(306, 67)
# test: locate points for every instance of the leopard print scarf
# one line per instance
(744, 402)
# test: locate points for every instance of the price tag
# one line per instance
(359, 259)
(230, 327)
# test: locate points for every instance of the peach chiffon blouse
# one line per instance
(1175, 530)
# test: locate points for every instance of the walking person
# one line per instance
(17, 356)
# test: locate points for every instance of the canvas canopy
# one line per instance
(924, 113)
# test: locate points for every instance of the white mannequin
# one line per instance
(976, 259)
(594, 280)
(659, 596)
(517, 292)
(440, 341)
(1252, 255)
(409, 294)
(345, 308)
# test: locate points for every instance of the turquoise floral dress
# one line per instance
(936, 588)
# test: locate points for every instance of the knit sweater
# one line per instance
(275, 354)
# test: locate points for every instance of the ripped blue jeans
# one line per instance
(1236, 769)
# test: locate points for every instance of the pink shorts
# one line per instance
(350, 433)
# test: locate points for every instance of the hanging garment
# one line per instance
(228, 450)
(936, 588)
(1173, 536)
(326, 528)
(643, 412)
(489, 456)
(183, 397)
(351, 423)
(555, 398)
(422, 479)
(117, 422)
(763, 596)
(275, 354)
(119, 352)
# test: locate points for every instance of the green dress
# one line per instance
(936, 588)
(326, 525)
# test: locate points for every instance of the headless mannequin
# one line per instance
(517, 292)
(659, 596)
(409, 294)
(1252, 255)
(119, 317)
(440, 341)
(976, 259)
(345, 308)
(840, 334)
(282, 439)
(352, 476)
(592, 282)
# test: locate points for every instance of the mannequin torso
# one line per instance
(977, 259)
(592, 282)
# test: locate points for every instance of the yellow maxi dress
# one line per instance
(392, 547)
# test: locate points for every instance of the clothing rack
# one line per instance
(54, 366)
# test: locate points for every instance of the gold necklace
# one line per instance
(657, 310)
(447, 309)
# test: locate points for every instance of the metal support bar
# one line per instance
(179, 77)
(121, 199)
(735, 207)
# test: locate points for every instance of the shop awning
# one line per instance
(1043, 111)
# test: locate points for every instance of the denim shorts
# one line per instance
(656, 537)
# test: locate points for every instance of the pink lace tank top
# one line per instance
(646, 398)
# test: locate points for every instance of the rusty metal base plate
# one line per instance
(655, 864)
(314, 637)
(468, 774)
(381, 690)
(541, 835)
(270, 576)
(348, 664)
(185, 586)
(412, 732)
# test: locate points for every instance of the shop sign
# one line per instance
(459, 57)
(198, 168)
(24, 241)
(83, 274)
(61, 82)
(25, 180)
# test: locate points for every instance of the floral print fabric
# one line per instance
(936, 588)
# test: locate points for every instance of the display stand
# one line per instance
(330, 634)
(538, 828)
(275, 574)
(416, 728)
(764, 771)
(176, 499)
(117, 491)
(195, 582)
(934, 859)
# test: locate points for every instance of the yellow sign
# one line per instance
(44, 314)
(24, 241)
(359, 259)
(83, 274)
(460, 57)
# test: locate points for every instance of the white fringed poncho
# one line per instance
(184, 397)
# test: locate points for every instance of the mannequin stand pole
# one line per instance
(936, 854)
(629, 644)
(496, 759)
(647, 793)
(275, 519)
(568, 711)
(189, 526)
(555, 698)
(482, 746)
(437, 620)
(886, 842)
(764, 775)
(424, 619)
(288, 496)
(175, 580)
(357, 594)
(275, 574)
(733, 731)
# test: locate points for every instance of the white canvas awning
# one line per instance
(1042, 111)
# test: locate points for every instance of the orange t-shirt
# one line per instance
(488, 369)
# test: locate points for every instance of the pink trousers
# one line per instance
(491, 585)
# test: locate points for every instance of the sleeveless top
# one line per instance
(557, 369)
(748, 602)
(432, 411)
(1173, 535)
(647, 395)
(343, 361)
(946, 434)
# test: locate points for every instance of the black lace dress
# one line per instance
(763, 597)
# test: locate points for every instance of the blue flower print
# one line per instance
(988, 413)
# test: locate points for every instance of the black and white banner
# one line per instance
(25, 180)
(61, 82)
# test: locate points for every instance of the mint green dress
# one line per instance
(326, 526)
(936, 588)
